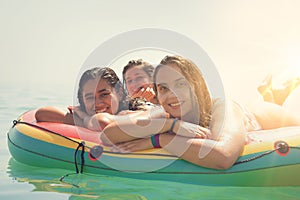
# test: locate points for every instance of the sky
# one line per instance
(44, 42)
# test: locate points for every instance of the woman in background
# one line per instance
(137, 79)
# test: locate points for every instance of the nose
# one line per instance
(133, 87)
(176, 94)
(98, 101)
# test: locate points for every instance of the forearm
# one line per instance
(204, 152)
(129, 129)
(98, 121)
(53, 114)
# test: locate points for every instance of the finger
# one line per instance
(137, 94)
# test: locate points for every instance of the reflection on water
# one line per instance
(107, 187)
(86, 186)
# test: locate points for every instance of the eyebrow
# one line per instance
(99, 91)
(179, 79)
(136, 74)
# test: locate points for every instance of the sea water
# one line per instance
(19, 181)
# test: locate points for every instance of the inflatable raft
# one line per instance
(270, 160)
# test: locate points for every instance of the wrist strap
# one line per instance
(173, 124)
(155, 141)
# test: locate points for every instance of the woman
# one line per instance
(100, 96)
(137, 79)
(209, 133)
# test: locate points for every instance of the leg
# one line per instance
(271, 116)
(292, 102)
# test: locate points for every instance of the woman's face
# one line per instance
(135, 79)
(100, 97)
(174, 91)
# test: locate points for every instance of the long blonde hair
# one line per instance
(199, 87)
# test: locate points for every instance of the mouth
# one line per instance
(102, 110)
(137, 89)
(175, 105)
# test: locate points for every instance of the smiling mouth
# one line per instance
(102, 110)
(138, 89)
(175, 104)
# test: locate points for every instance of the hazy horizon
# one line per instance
(47, 42)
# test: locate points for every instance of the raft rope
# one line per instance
(281, 146)
(81, 145)
(91, 148)
(256, 157)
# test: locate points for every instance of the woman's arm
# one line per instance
(53, 114)
(128, 127)
(228, 133)
(220, 152)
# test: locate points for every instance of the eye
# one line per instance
(181, 83)
(128, 81)
(105, 94)
(162, 88)
(139, 78)
(89, 98)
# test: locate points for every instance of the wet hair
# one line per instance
(190, 71)
(139, 103)
(109, 76)
(145, 66)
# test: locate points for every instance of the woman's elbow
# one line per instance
(227, 159)
(104, 139)
(225, 163)
(106, 135)
(41, 114)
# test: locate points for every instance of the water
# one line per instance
(19, 181)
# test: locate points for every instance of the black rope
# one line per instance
(45, 129)
(264, 154)
(295, 147)
(256, 157)
(61, 179)
(58, 134)
(81, 144)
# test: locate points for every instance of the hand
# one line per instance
(146, 92)
(187, 129)
(134, 145)
(78, 112)
(158, 112)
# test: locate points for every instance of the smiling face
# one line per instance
(99, 97)
(135, 78)
(174, 92)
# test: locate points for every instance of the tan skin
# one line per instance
(189, 141)
(101, 106)
(216, 148)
